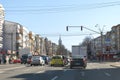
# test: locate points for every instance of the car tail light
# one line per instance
(71, 60)
(84, 60)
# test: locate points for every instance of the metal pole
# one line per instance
(102, 42)
(12, 43)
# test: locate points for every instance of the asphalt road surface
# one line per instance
(94, 71)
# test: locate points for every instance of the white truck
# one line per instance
(24, 51)
(78, 57)
(79, 51)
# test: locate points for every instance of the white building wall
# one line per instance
(25, 37)
(9, 35)
(1, 25)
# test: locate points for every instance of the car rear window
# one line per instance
(56, 57)
(77, 59)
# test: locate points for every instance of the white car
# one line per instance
(37, 60)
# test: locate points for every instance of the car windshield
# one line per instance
(25, 56)
(59, 39)
(56, 57)
(44, 57)
(35, 57)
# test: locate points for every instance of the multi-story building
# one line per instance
(31, 41)
(25, 36)
(9, 36)
(37, 43)
(2, 52)
(1, 25)
(12, 37)
(15, 38)
(116, 37)
(42, 46)
(97, 43)
(107, 43)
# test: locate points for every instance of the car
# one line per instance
(15, 61)
(24, 58)
(37, 60)
(57, 61)
(77, 61)
(46, 59)
(29, 59)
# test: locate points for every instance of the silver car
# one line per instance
(37, 60)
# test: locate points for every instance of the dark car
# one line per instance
(24, 58)
(77, 61)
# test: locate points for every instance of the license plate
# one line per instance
(77, 63)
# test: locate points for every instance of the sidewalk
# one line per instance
(3, 66)
(115, 64)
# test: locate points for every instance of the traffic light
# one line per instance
(67, 28)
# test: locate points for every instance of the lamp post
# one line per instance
(101, 33)
(93, 44)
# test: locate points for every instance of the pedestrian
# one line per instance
(0, 60)
(7, 59)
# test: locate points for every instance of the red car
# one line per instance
(16, 61)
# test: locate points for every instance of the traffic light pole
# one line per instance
(101, 33)
(67, 27)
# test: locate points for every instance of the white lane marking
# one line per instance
(107, 74)
(40, 72)
(54, 78)
(65, 70)
(83, 74)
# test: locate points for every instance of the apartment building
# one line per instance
(31, 41)
(1, 25)
(12, 37)
(116, 37)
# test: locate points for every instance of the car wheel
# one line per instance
(51, 65)
(62, 65)
(84, 67)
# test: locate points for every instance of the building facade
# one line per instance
(1, 25)
(9, 36)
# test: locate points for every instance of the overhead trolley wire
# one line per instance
(62, 8)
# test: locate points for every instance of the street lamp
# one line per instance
(101, 33)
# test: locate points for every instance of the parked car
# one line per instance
(37, 60)
(77, 61)
(56, 61)
(15, 61)
(24, 58)
(29, 59)
(46, 59)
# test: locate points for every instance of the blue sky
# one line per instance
(49, 18)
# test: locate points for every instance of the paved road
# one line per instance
(94, 71)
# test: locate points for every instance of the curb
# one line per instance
(118, 66)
